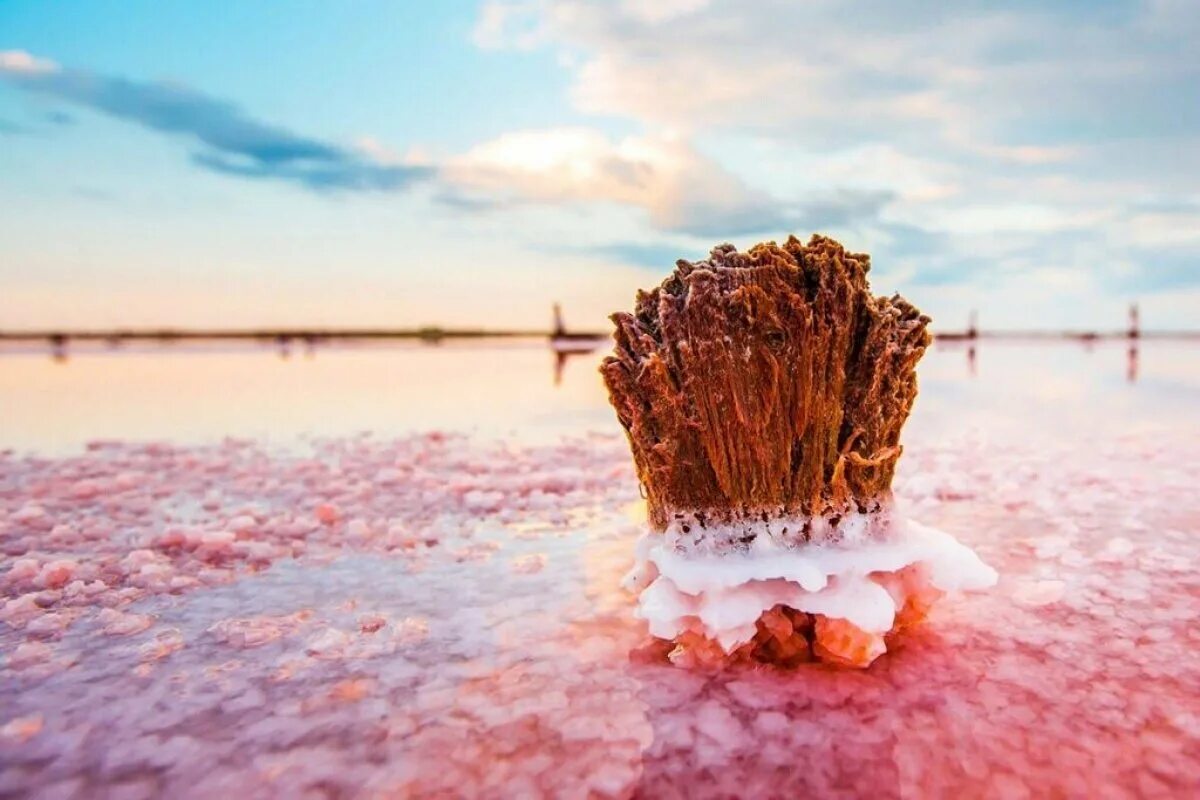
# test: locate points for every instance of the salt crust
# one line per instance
(1075, 677)
(684, 580)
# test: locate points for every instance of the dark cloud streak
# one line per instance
(232, 142)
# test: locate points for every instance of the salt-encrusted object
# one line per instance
(763, 394)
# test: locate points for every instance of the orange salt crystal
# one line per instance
(916, 608)
(326, 513)
(351, 691)
(919, 597)
(840, 642)
(776, 623)
(780, 639)
(22, 729)
(696, 650)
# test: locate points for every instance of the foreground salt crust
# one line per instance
(264, 673)
(688, 584)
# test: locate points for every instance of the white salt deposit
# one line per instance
(684, 584)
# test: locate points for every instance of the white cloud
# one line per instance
(678, 188)
(661, 10)
(18, 61)
(1008, 140)
(963, 75)
(513, 25)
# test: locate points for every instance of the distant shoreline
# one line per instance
(279, 335)
(268, 334)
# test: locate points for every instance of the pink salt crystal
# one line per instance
(171, 539)
(242, 523)
(256, 631)
(398, 535)
(50, 624)
(329, 643)
(62, 534)
(1039, 593)
(296, 528)
(358, 529)
(119, 623)
(23, 569)
(19, 610)
(153, 575)
(127, 480)
(412, 629)
(215, 577)
(215, 545)
(529, 564)
(139, 558)
(47, 598)
(326, 513)
(223, 539)
(85, 489)
(256, 551)
(128, 594)
(370, 623)
(477, 500)
(162, 645)
(29, 653)
(388, 475)
(56, 574)
(31, 516)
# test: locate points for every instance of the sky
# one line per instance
(468, 164)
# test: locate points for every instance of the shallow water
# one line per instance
(415, 613)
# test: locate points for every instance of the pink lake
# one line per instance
(392, 571)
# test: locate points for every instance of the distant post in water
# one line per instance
(559, 327)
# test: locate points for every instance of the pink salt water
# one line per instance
(434, 609)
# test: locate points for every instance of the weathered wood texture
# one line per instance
(769, 382)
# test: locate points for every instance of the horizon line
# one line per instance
(428, 332)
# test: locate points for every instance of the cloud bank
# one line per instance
(679, 190)
(967, 144)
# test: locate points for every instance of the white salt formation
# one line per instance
(880, 573)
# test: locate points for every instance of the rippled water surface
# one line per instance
(392, 571)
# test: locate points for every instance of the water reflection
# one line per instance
(189, 392)
(1087, 345)
(583, 349)
(561, 356)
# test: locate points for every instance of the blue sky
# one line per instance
(216, 163)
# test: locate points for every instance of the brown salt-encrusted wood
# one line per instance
(765, 383)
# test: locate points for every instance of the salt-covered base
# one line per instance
(760, 594)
